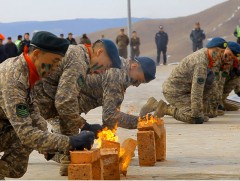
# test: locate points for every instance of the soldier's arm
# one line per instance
(198, 83)
(66, 98)
(237, 86)
(113, 95)
(18, 113)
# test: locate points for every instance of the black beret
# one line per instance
(217, 42)
(49, 42)
(234, 47)
(148, 67)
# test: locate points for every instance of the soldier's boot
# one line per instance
(230, 107)
(205, 119)
(150, 106)
(220, 112)
(164, 109)
(64, 165)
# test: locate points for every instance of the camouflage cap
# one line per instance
(148, 67)
(49, 42)
(112, 52)
(217, 42)
(234, 47)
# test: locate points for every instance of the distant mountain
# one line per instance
(219, 20)
(76, 26)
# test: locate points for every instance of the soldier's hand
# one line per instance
(83, 140)
(95, 128)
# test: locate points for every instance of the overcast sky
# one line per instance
(42, 10)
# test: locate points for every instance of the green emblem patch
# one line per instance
(22, 110)
(81, 81)
(200, 80)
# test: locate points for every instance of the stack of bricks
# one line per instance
(151, 140)
(85, 165)
(110, 158)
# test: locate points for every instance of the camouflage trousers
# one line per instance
(14, 161)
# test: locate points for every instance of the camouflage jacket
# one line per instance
(107, 90)
(65, 83)
(17, 106)
(189, 78)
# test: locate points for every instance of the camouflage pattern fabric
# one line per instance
(231, 84)
(19, 109)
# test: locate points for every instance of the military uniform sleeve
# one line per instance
(66, 98)
(17, 110)
(113, 95)
(198, 82)
(237, 86)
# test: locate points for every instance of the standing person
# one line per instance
(3, 55)
(22, 129)
(71, 40)
(122, 42)
(161, 40)
(236, 33)
(85, 40)
(18, 41)
(197, 36)
(61, 35)
(24, 45)
(184, 90)
(11, 48)
(135, 43)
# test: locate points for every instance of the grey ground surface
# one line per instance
(207, 151)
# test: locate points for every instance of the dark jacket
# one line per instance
(3, 55)
(85, 41)
(161, 39)
(122, 41)
(72, 41)
(134, 43)
(197, 36)
(11, 50)
(22, 45)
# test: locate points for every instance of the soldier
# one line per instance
(122, 42)
(184, 89)
(135, 44)
(197, 36)
(22, 129)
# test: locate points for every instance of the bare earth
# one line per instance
(207, 151)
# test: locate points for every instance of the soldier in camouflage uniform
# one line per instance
(184, 89)
(22, 129)
(107, 90)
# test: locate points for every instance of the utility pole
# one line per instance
(129, 25)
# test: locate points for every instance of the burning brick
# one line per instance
(127, 150)
(160, 144)
(85, 165)
(146, 148)
(110, 159)
(111, 144)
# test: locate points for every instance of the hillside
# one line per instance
(219, 20)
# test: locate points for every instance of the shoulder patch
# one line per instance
(81, 81)
(22, 110)
(200, 80)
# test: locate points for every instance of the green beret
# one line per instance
(49, 42)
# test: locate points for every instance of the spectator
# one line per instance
(3, 55)
(135, 43)
(122, 42)
(18, 41)
(10, 48)
(236, 33)
(61, 35)
(71, 40)
(197, 36)
(24, 45)
(161, 40)
(85, 40)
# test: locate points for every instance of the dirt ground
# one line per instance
(207, 151)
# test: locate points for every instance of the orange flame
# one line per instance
(107, 134)
(149, 119)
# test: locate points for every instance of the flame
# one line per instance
(149, 119)
(107, 134)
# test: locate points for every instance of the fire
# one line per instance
(107, 134)
(149, 119)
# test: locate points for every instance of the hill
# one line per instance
(219, 20)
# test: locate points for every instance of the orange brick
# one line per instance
(88, 156)
(143, 126)
(110, 160)
(146, 148)
(160, 144)
(110, 144)
(80, 172)
(97, 169)
(128, 146)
